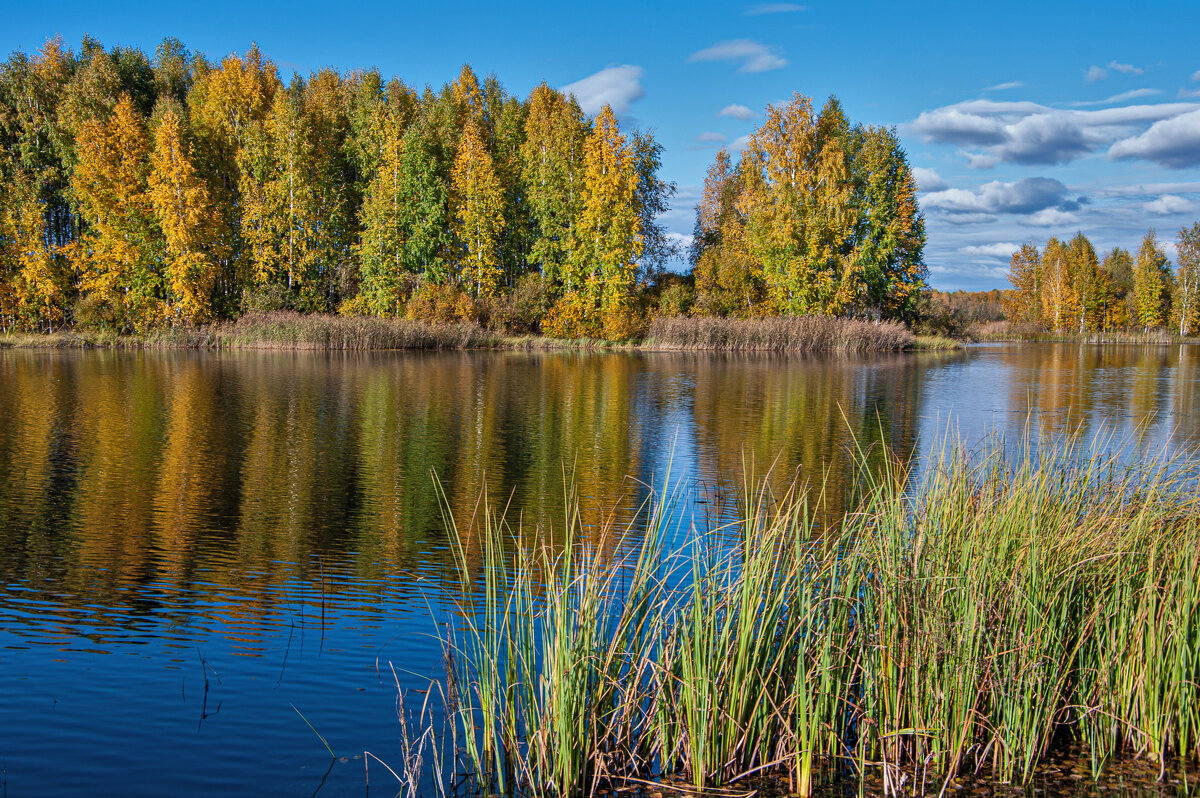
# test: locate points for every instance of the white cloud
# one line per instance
(739, 144)
(1184, 93)
(1174, 143)
(1125, 69)
(971, 271)
(735, 111)
(1026, 196)
(1196, 75)
(617, 86)
(1012, 84)
(1095, 74)
(1032, 134)
(710, 137)
(992, 250)
(683, 242)
(754, 56)
(1116, 98)
(1053, 217)
(928, 179)
(773, 8)
(1168, 205)
(953, 125)
(1042, 139)
(979, 161)
(1148, 189)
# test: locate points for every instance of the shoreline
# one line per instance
(300, 332)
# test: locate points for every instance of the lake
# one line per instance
(203, 554)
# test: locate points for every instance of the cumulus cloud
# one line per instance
(1032, 134)
(1173, 143)
(928, 179)
(773, 8)
(953, 125)
(753, 56)
(1168, 205)
(1012, 84)
(735, 111)
(1196, 75)
(1025, 196)
(993, 250)
(618, 86)
(1095, 74)
(1043, 139)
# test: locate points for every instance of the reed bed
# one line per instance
(970, 621)
(778, 334)
(1003, 331)
(288, 330)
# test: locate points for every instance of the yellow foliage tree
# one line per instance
(1058, 289)
(118, 257)
(188, 222)
(33, 287)
(477, 210)
(1023, 303)
(728, 281)
(798, 212)
(606, 239)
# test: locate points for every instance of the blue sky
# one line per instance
(1024, 119)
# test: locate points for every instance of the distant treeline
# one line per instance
(140, 191)
(1066, 287)
(957, 313)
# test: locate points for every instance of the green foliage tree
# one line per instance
(1151, 283)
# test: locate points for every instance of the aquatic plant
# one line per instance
(966, 619)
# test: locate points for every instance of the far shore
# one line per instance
(287, 331)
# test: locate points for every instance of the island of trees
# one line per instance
(139, 192)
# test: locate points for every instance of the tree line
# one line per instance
(140, 191)
(1066, 286)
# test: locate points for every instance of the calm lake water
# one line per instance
(198, 549)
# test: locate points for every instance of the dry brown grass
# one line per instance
(289, 330)
(1009, 331)
(778, 334)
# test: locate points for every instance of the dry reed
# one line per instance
(778, 334)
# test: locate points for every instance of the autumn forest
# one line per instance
(142, 191)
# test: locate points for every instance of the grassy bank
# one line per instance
(971, 624)
(297, 331)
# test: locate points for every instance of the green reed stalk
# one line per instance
(967, 621)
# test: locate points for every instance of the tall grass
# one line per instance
(1010, 331)
(287, 330)
(1002, 605)
(778, 333)
(284, 330)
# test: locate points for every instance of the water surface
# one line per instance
(197, 548)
